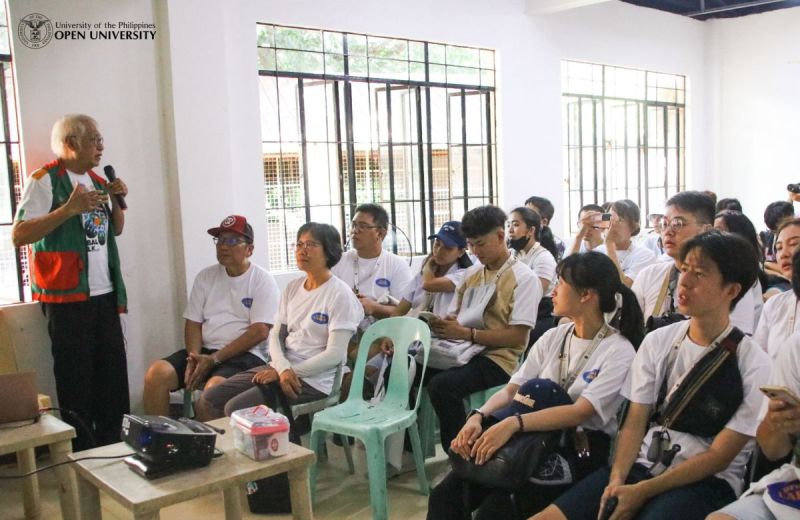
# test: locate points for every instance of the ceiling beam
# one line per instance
(552, 6)
(733, 7)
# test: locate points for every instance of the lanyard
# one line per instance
(506, 265)
(566, 378)
(356, 280)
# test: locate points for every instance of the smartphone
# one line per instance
(603, 220)
(782, 393)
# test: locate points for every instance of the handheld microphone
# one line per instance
(112, 176)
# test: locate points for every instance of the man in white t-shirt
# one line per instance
(228, 318)
(687, 474)
(70, 222)
(377, 276)
(590, 230)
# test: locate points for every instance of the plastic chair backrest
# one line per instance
(403, 332)
(320, 404)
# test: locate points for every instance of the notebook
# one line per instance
(20, 397)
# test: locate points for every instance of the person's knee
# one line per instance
(214, 381)
(161, 375)
(442, 387)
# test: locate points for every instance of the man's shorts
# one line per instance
(229, 367)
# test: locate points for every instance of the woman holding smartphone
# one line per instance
(629, 257)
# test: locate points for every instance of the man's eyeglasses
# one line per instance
(228, 241)
(309, 244)
(362, 226)
(676, 224)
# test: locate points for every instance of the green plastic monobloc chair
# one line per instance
(372, 423)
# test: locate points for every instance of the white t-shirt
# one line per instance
(646, 376)
(748, 310)
(442, 301)
(647, 285)
(601, 378)
(541, 261)
(651, 242)
(632, 260)
(779, 320)
(227, 305)
(37, 199)
(309, 316)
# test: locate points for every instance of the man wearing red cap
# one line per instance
(228, 317)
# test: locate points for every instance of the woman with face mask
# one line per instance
(524, 231)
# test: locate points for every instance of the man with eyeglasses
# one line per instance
(228, 318)
(377, 277)
(687, 214)
(70, 222)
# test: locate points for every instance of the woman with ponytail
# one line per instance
(589, 359)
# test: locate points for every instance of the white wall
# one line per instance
(756, 126)
(116, 82)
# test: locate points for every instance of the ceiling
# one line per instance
(706, 9)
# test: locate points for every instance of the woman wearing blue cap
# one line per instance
(588, 358)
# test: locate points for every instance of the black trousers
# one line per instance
(90, 366)
(448, 388)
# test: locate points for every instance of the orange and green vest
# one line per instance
(60, 264)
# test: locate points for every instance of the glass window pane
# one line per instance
(299, 61)
(463, 75)
(265, 35)
(487, 59)
(387, 48)
(436, 53)
(356, 45)
(416, 51)
(333, 42)
(266, 59)
(301, 39)
(390, 69)
(334, 64)
(9, 290)
(463, 56)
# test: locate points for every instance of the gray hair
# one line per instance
(69, 125)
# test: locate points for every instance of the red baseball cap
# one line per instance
(234, 224)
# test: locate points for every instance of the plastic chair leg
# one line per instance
(348, 454)
(376, 467)
(419, 459)
(426, 419)
(317, 438)
(188, 403)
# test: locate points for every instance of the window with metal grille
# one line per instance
(350, 118)
(624, 135)
(14, 277)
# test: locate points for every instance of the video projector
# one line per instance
(165, 445)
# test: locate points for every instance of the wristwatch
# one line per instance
(476, 411)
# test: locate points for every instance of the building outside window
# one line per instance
(352, 118)
(14, 282)
(624, 135)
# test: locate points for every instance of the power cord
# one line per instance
(9, 477)
(77, 420)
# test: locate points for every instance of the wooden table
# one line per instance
(23, 440)
(228, 473)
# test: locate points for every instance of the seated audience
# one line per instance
(588, 357)
(590, 230)
(317, 316)
(629, 257)
(773, 215)
(228, 318)
(652, 240)
(736, 222)
(544, 208)
(494, 308)
(689, 459)
(524, 233)
(433, 288)
(777, 437)
(730, 204)
(779, 316)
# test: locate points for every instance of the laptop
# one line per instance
(20, 397)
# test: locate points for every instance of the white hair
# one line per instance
(68, 126)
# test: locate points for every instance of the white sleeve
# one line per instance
(532, 366)
(754, 366)
(400, 278)
(197, 298)
(265, 297)
(334, 354)
(761, 335)
(645, 377)
(638, 291)
(603, 393)
(527, 295)
(37, 198)
(640, 258)
(545, 266)
(276, 358)
(348, 312)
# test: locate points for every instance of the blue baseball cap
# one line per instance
(536, 394)
(450, 234)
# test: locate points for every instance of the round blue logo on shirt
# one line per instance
(382, 282)
(590, 375)
(247, 302)
(319, 317)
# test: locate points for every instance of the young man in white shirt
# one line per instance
(510, 294)
(704, 471)
(228, 318)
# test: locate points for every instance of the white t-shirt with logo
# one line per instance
(646, 376)
(37, 199)
(779, 320)
(442, 301)
(227, 305)
(600, 380)
(309, 317)
(632, 260)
